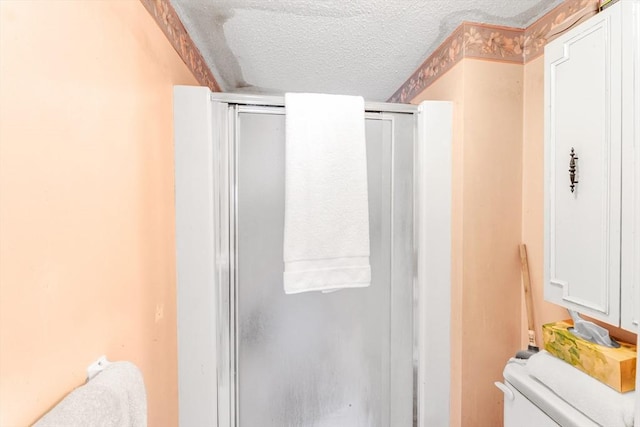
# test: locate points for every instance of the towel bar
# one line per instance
(96, 367)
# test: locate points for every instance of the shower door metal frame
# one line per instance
(204, 167)
(225, 119)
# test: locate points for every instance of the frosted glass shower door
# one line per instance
(314, 359)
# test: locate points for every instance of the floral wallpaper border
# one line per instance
(556, 22)
(469, 40)
(496, 43)
(167, 19)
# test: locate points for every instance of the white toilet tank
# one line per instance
(520, 412)
(529, 403)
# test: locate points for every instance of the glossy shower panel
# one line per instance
(312, 359)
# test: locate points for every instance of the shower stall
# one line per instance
(248, 354)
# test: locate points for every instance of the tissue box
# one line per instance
(606, 3)
(616, 367)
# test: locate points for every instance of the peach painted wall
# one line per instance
(487, 205)
(533, 196)
(492, 226)
(87, 263)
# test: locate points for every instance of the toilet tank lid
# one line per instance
(516, 374)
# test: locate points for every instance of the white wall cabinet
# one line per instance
(592, 144)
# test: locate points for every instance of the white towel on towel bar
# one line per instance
(115, 397)
(326, 231)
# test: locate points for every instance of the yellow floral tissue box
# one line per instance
(616, 367)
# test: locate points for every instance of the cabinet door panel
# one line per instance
(630, 268)
(582, 90)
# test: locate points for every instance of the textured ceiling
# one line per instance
(353, 47)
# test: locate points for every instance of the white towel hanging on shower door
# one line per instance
(326, 233)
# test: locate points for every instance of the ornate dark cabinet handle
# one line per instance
(572, 170)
